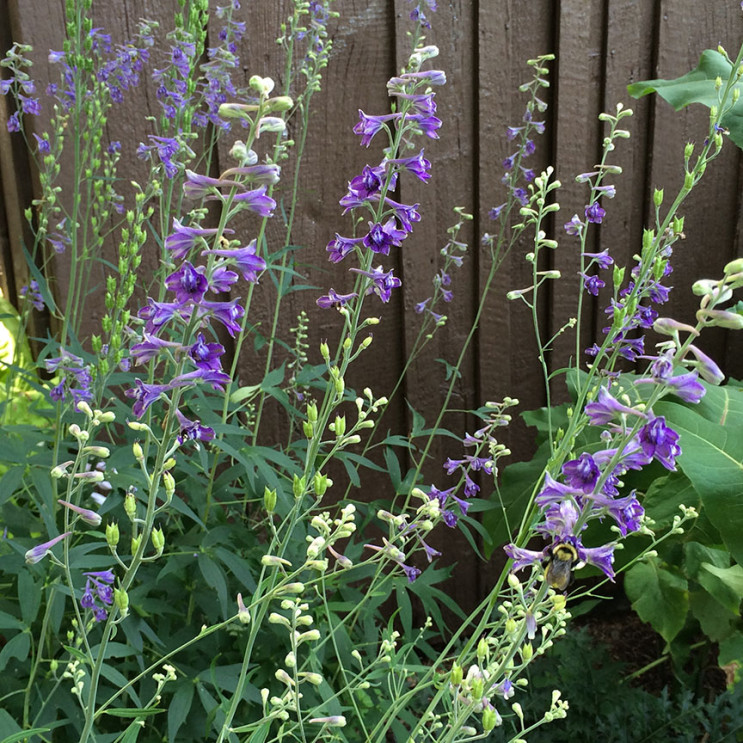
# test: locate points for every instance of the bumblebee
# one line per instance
(562, 559)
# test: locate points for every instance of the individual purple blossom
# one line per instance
(418, 165)
(339, 247)
(192, 430)
(383, 282)
(200, 186)
(88, 516)
(157, 314)
(368, 184)
(43, 145)
(605, 408)
(245, 259)
(188, 283)
(592, 284)
(183, 238)
(595, 213)
(227, 313)
(144, 395)
(553, 492)
(660, 442)
(603, 260)
(333, 299)
(368, 126)
(405, 213)
(40, 551)
(14, 122)
(257, 201)
(574, 226)
(707, 368)
(582, 473)
(627, 511)
(382, 237)
(206, 355)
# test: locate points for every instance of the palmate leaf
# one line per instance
(698, 86)
(712, 458)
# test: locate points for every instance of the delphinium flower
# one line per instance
(31, 291)
(98, 593)
(74, 377)
(177, 329)
(390, 222)
(20, 85)
(418, 13)
(40, 551)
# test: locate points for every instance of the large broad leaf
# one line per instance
(659, 597)
(698, 86)
(712, 458)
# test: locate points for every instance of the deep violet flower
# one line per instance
(244, 259)
(339, 247)
(40, 551)
(383, 282)
(192, 430)
(595, 213)
(144, 395)
(183, 238)
(188, 283)
(206, 355)
(333, 299)
(382, 237)
(368, 126)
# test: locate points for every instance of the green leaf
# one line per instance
(716, 622)
(215, 579)
(179, 708)
(659, 597)
(132, 713)
(725, 584)
(29, 597)
(698, 86)
(17, 647)
(712, 458)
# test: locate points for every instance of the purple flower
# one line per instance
(595, 213)
(192, 430)
(188, 283)
(592, 284)
(157, 314)
(605, 407)
(418, 165)
(40, 551)
(660, 441)
(339, 247)
(602, 259)
(383, 282)
(183, 239)
(381, 237)
(149, 348)
(406, 214)
(582, 473)
(228, 313)
(368, 184)
(206, 355)
(100, 582)
(88, 516)
(144, 395)
(33, 293)
(14, 122)
(198, 186)
(368, 126)
(333, 299)
(43, 145)
(257, 201)
(245, 259)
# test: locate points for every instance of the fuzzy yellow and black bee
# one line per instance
(561, 561)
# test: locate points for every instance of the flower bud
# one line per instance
(262, 85)
(280, 103)
(276, 618)
(158, 540)
(136, 541)
(456, 675)
(273, 561)
(527, 652)
(103, 452)
(320, 484)
(83, 407)
(268, 124)
(336, 721)
(269, 499)
(88, 516)
(243, 614)
(121, 599)
(299, 485)
(308, 429)
(489, 719)
(169, 485)
(313, 678)
(338, 426)
(112, 534)
(296, 587)
(130, 505)
(325, 351)
(137, 451)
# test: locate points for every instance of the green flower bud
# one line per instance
(169, 485)
(489, 719)
(130, 505)
(112, 534)
(158, 540)
(121, 599)
(137, 451)
(456, 675)
(527, 652)
(658, 197)
(308, 429)
(269, 499)
(299, 485)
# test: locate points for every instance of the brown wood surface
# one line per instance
(600, 48)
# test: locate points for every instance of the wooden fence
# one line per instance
(601, 46)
